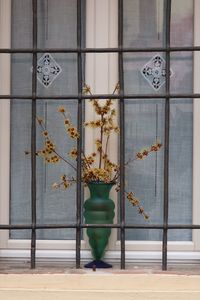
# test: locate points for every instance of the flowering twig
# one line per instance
(50, 146)
(135, 202)
(107, 171)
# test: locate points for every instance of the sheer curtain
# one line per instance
(56, 29)
(144, 26)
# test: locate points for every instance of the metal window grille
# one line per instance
(167, 49)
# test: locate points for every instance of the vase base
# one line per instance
(98, 264)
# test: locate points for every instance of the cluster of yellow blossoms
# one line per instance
(73, 153)
(49, 150)
(102, 110)
(106, 122)
(65, 183)
(136, 202)
(96, 174)
(107, 171)
(89, 160)
(96, 166)
(71, 130)
(145, 152)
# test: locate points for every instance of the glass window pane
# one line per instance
(143, 23)
(20, 169)
(180, 168)
(144, 126)
(57, 23)
(54, 206)
(57, 74)
(21, 26)
(144, 73)
(182, 22)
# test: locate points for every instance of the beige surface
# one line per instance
(96, 286)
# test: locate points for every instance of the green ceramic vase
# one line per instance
(99, 209)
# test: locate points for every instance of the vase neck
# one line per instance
(100, 189)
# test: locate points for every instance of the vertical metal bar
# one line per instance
(79, 142)
(33, 137)
(122, 142)
(167, 129)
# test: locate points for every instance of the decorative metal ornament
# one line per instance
(154, 71)
(47, 69)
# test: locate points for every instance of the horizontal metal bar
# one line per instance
(29, 97)
(29, 226)
(100, 50)
(102, 96)
(130, 226)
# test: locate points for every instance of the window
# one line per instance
(158, 73)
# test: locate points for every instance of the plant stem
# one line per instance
(116, 87)
(86, 161)
(129, 161)
(65, 160)
(116, 176)
(106, 149)
(101, 139)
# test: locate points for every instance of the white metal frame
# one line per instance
(5, 27)
(101, 75)
(196, 128)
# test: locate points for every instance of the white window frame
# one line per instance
(101, 75)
